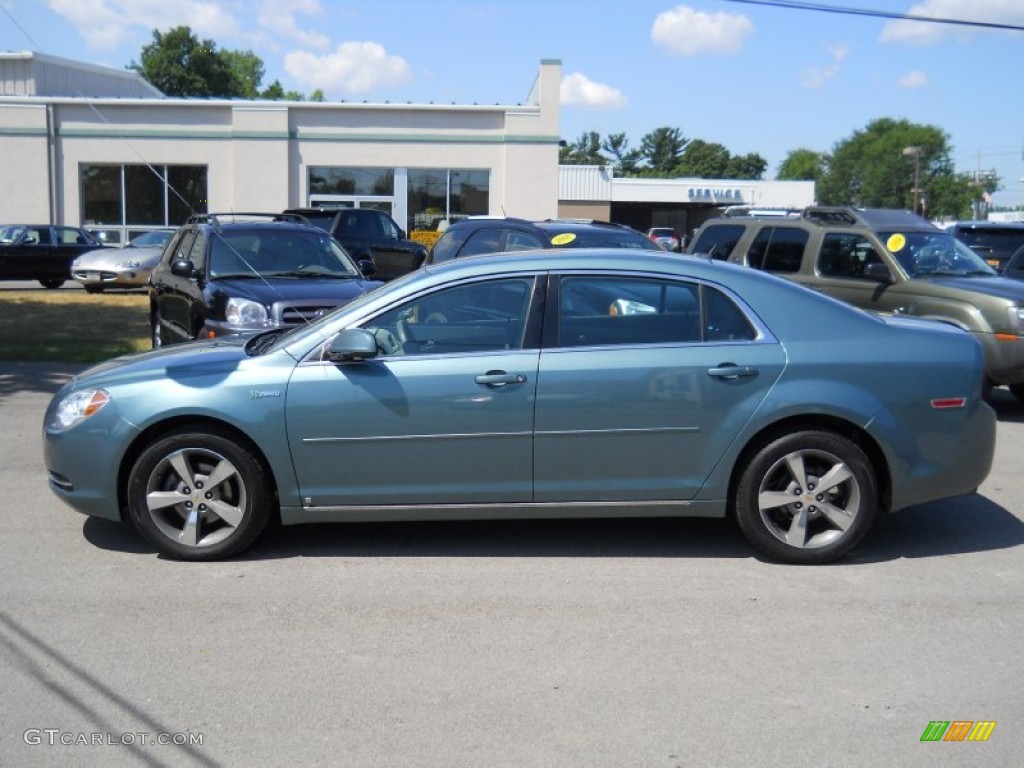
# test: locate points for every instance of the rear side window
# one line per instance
(718, 241)
(487, 240)
(778, 249)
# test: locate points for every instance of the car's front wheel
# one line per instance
(807, 497)
(199, 495)
(51, 282)
(1018, 391)
(155, 333)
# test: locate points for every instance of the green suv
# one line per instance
(889, 261)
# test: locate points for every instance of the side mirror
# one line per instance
(367, 267)
(352, 345)
(401, 234)
(878, 272)
(182, 267)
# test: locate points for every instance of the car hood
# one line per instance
(1002, 287)
(194, 359)
(273, 289)
(110, 257)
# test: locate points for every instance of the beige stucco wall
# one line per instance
(258, 153)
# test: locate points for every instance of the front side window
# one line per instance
(846, 254)
(483, 316)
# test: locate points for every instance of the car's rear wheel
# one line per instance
(94, 289)
(807, 497)
(51, 282)
(199, 495)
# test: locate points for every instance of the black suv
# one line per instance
(484, 234)
(232, 273)
(370, 235)
(994, 241)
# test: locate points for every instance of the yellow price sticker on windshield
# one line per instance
(896, 242)
(563, 239)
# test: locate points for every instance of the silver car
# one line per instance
(127, 267)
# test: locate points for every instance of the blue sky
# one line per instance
(756, 79)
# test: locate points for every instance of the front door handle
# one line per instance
(500, 378)
(731, 372)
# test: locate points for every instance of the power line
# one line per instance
(848, 11)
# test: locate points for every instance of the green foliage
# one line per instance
(704, 160)
(662, 149)
(586, 150)
(180, 64)
(877, 167)
(803, 165)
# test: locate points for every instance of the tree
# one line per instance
(703, 160)
(662, 150)
(179, 64)
(880, 165)
(247, 69)
(586, 150)
(748, 166)
(624, 158)
(803, 165)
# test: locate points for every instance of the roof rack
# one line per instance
(215, 218)
(832, 214)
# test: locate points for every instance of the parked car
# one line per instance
(128, 267)
(889, 261)
(587, 382)
(42, 252)
(666, 237)
(994, 241)
(371, 235)
(229, 273)
(488, 234)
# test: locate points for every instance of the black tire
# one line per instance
(1018, 391)
(171, 508)
(94, 289)
(820, 524)
(51, 282)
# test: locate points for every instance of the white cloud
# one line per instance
(106, 24)
(913, 79)
(927, 33)
(278, 17)
(817, 77)
(684, 31)
(580, 91)
(354, 68)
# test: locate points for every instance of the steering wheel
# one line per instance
(387, 342)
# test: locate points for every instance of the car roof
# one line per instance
(1007, 225)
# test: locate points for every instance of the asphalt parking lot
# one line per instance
(576, 643)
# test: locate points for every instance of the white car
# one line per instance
(666, 237)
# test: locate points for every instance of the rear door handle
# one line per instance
(500, 378)
(731, 372)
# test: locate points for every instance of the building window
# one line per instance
(439, 196)
(369, 182)
(120, 201)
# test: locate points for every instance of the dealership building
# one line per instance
(101, 148)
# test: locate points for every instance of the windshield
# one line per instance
(150, 239)
(923, 254)
(10, 233)
(278, 253)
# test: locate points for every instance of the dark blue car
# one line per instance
(224, 274)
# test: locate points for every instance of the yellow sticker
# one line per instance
(896, 242)
(563, 239)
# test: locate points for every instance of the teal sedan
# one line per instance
(585, 383)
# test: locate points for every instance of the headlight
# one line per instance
(1016, 318)
(79, 406)
(243, 312)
